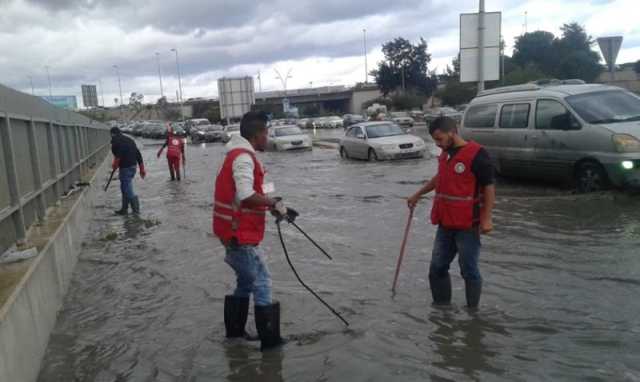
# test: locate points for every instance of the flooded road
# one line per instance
(560, 302)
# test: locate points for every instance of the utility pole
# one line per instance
(481, 29)
(259, 82)
(366, 70)
(31, 81)
(159, 74)
(119, 87)
(49, 78)
(101, 92)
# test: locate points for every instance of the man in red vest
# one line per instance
(462, 209)
(175, 150)
(239, 219)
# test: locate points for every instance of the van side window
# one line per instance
(481, 117)
(552, 115)
(515, 116)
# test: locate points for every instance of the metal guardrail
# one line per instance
(44, 151)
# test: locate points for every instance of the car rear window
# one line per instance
(481, 117)
(515, 116)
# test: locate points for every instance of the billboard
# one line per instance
(90, 95)
(236, 96)
(469, 52)
(65, 102)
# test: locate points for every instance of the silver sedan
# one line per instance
(380, 141)
(288, 137)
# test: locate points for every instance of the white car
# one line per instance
(379, 141)
(288, 137)
(402, 119)
(230, 131)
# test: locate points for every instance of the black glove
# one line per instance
(292, 215)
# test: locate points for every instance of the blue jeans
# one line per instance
(252, 273)
(466, 244)
(126, 182)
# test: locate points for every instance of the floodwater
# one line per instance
(560, 302)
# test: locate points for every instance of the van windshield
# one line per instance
(610, 106)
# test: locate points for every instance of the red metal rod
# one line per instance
(404, 245)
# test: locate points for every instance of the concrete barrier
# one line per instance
(28, 316)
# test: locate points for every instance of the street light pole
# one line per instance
(179, 82)
(49, 78)
(366, 70)
(159, 74)
(284, 79)
(178, 69)
(31, 81)
(120, 87)
(101, 92)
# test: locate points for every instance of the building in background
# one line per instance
(65, 102)
(626, 77)
(90, 96)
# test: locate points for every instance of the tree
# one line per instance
(405, 67)
(523, 75)
(536, 48)
(577, 60)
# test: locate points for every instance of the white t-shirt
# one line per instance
(242, 167)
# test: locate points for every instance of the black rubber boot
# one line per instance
(135, 205)
(125, 206)
(440, 289)
(268, 325)
(236, 310)
(473, 290)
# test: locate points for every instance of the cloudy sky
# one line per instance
(321, 41)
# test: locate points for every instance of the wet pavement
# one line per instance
(561, 271)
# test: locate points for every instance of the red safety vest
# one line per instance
(244, 223)
(174, 146)
(457, 202)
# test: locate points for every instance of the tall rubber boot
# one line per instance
(473, 290)
(440, 289)
(125, 206)
(236, 310)
(268, 325)
(135, 205)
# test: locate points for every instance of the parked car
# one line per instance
(194, 123)
(230, 131)
(585, 133)
(444, 111)
(351, 119)
(154, 131)
(206, 133)
(417, 115)
(402, 119)
(332, 122)
(380, 141)
(288, 137)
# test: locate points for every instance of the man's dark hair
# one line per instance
(444, 124)
(115, 131)
(252, 123)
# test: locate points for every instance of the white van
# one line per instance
(586, 133)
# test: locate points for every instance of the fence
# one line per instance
(44, 151)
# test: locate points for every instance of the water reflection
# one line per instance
(461, 342)
(245, 364)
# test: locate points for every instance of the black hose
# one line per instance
(109, 181)
(310, 239)
(286, 254)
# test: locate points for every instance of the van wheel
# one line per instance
(591, 177)
(343, 153)
(372, 155)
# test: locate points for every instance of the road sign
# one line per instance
(610, 47)
(469, 49)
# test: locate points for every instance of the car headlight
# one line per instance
(388, 147)
(419, 144)
(626, 143)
